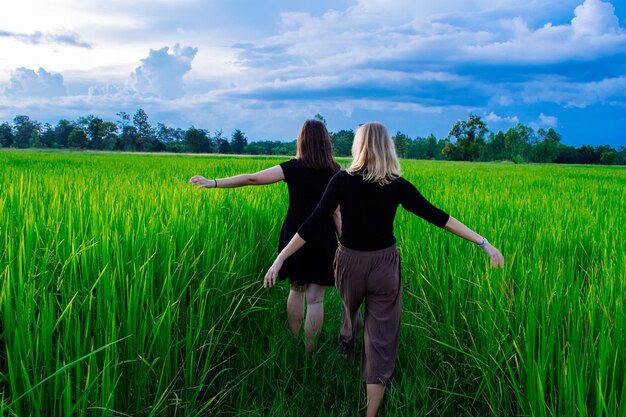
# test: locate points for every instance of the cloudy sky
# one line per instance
(264, 67)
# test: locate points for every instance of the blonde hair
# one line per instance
(374, 154)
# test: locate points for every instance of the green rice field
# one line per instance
(124, 291)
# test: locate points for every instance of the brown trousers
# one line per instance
(373, 276)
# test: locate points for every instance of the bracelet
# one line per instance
(215, 183)
(483, 243)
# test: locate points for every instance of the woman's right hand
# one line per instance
(202, 182)
(497, 260)
(272, 273)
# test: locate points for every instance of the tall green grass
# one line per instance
(124, 291)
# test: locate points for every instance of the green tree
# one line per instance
(108, 133)
(100, 134)
(402, 143)
(95, 133)
(433, 147)
(495, 148)
(197, 140)
(567, 155)
(47, 136)
(77, 138)
(123, 120)
(128, 139)
(83, 121)
(238, 141)
(517, 142)
(342, 142)
(62, 133)
(145, 132)
(609, 158)
(470, 137)
(450, 151)
(587, 154)
(621, 155)
(417, 149)
(320, 118)
(254, 148)
(6, 135)
(26, 131)
(547, 149)
(173, 139)
(169, 135)
(221, 143)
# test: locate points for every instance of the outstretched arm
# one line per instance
(414, 201)
(267, 176)
(456, 227)
(294, 244)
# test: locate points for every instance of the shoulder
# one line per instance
(290, 168)
(342, 176)
(402, 182)
(351, 176)
(293, 162)
(403, 185)
(338, 178)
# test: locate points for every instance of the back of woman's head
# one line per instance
(313, 148)
(374, 154)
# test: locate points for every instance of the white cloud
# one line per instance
(161, 73)
(386, 9)
(25, 82)
(494, 118)
(106, 90)
(593, 32)
(595, 18)
(366, 35)
(575, 94)
(544, 122)
(63, 38)
(549, 121)
(505, 100)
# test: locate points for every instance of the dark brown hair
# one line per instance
(313, 148)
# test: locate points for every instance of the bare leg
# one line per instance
(375, 393)
(314, 315)
(295, 308)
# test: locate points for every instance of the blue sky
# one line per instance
(264, 67)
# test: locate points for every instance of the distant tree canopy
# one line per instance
(238, 142)
(468, 140)
(342, 142)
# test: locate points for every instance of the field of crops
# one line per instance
(125, 291)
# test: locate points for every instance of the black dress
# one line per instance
(314, 262)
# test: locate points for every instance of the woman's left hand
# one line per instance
(497, 260)
(272, 273)
(202, 182)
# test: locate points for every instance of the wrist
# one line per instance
(482, 243)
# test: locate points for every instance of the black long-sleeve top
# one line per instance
(368, 210)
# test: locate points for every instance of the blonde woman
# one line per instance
(367, 263)
(311, 270)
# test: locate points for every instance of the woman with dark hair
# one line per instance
(311, 270)
(367, 263)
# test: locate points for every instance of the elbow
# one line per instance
(449, 224)
(252, 179)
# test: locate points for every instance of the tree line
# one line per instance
(468, 140)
